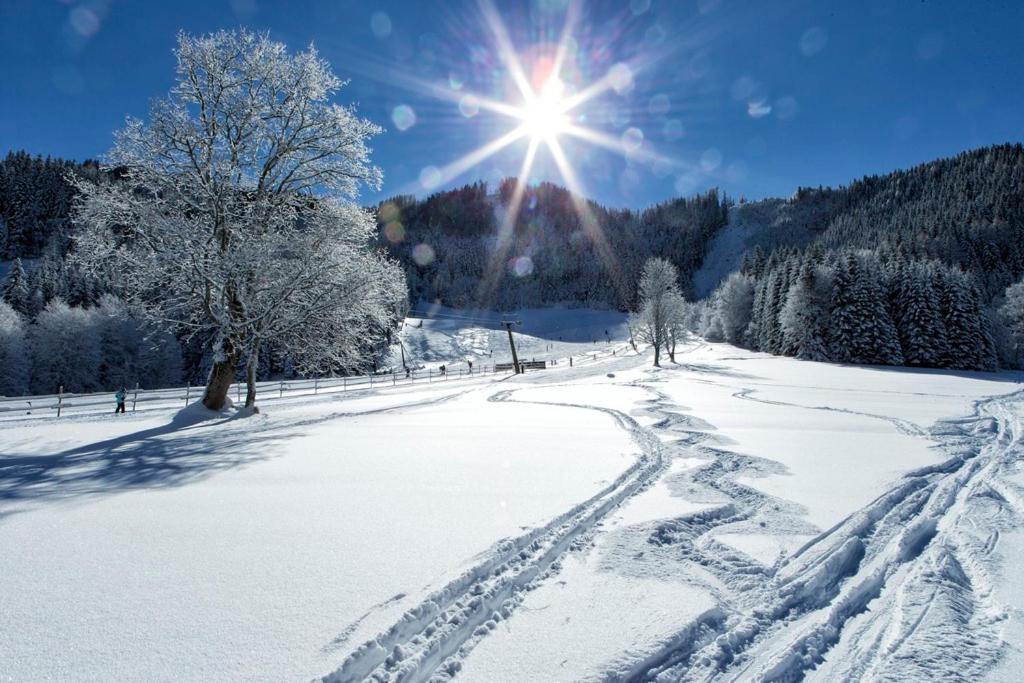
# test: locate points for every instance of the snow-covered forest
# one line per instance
(908, 268)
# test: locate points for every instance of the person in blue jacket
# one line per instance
(121, 395)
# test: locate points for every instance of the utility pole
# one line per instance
(515, 359)
(402, 346)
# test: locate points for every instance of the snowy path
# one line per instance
(453, 619)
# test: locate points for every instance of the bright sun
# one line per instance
(543, 115)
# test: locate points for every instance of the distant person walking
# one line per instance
(121, 395)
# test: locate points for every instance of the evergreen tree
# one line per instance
(970, 344)
(805, 316)
(843, 325)
(875, 339)
(919, 324)
(15, 288)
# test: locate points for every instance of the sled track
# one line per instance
(430, 640)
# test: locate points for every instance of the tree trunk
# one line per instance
(250, 378)
(672, 350)
(222, 374)
(657, 355)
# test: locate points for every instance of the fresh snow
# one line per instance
(734, 516)
(725, 253)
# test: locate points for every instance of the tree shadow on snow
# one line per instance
(192, 445)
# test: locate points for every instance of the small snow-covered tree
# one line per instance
(658, 291)
(13, 354)
(65, 350)
(733, 305)
(232, 218)
(676, 327)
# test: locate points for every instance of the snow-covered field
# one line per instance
(734, 515)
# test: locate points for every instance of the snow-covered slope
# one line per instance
(725, 254)
(735, 516)
(433, 335)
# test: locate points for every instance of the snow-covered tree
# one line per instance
(13, 354)
(969, 341)
(15, 289)
(658, 293)
(65, 350)
(232, 218)
(733, 306)
(1012, 314)
(805, 315)
(918, 316)
(676, 327)
(133, 351)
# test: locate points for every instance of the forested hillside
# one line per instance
(966, 211)
(456, 253)
(910, 267)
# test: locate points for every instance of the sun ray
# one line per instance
(467, 161)
(591, 225)
(505, 50)
(506, 228)
(616, 145)
(571, 16)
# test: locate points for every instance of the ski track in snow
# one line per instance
(900, 588)
(922, 549)
(430, 639)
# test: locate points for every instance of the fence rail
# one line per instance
(61, 404)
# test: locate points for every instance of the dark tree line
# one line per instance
(35, 204)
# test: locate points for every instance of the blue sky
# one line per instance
(757, 98)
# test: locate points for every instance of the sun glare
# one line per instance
(543, 115)
(545, 110)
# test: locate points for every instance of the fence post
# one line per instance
(394, 378)
(60, 398)
(430, 375)
(570, 361)
(370, 377)
(238, 392)
(188, 391)
(135, 396)
(344, 383)
(280, 389)
(316, 385)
